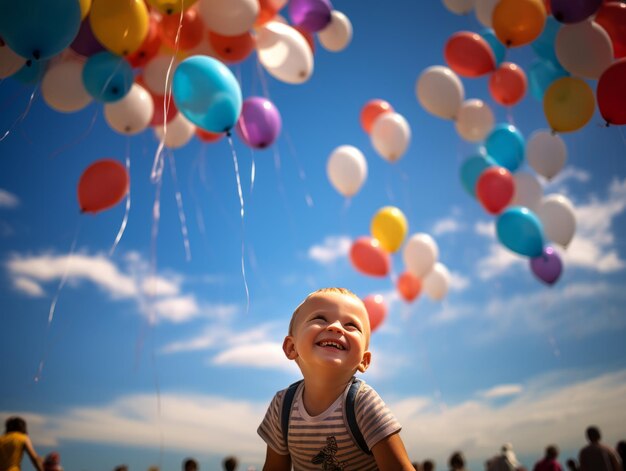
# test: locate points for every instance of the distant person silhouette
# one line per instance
(52, 462)
(230, 463)
(572, 465)
(190, 465)
(549, 462)
(14, 443)
(596, 456)
(456, 462)
(621, 451)
(505, 461)
(121, 467)
(428, 465)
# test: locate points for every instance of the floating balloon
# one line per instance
(505, 145)
(557, 215)
(471, 169)
(347, 170)
(409, 286)
(389, 227)
(208, 137)
(167, 7)
(542, 74)
(207, 93)
(498, 49)
(31, 72)
(372, 110)
(440, 91)
(85, 43)
(132, 114)
(568, 104)
(521, 231)
(420, 254)
(229, 17)
(10, 62)
(528, 191)
(337, 34)
(232, 48)
(612, 17)
(507, 85)
(259, 123)
(546, 153)
(62, 86)
(149, 48)
(474, 120)
(102, 185)
(85, 6)
(107, 77)
(182, 31)
(376, 310)
(544, 44)
(484, 11)
(548, 266)
(312, 15)
(494, 189)
(176, 133)
(267, 12)
(158, 73)
(436, 282)
(460, 7)
(612, 93)
(391, 136)
(568, 11)
(469, 55)
(518, 22)
(584, 49)
(164, 109)
(120, 25)
(369, 258)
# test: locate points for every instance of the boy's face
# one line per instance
(330, 330)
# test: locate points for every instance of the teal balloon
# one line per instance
(544, 44)
(541, 74)
(521, 231)
(505, 145)
(471, 170)
(31, 73)
(107, 77)
(39, 29)
(207, 93)
(499, 49)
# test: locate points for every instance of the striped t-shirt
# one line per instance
(324, 442)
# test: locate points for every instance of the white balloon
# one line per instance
(62, 86)
(440, 91)
(391, 136)
(10, 62)
(460, 7)
(178, 133)
(132, 114)
(420, 254)
(228, 17)
(347, 170)
(155, 74)
(474, 120)
(337, 34)
(584, 49)
(284, 53)
(546, 153)
(436, 282)
(528, 191)
(484, 11)
(557, 215)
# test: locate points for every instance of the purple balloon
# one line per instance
(311, 15)
(548, 266)
(259, 123)
(85, 42)
(573, 11)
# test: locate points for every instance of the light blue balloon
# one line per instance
(471, 170)
(107, 77)
(541, 74)
(521, 231)
(39, 29)
(544, 44)
(499, 49)
(31, 72)
(207, 93)
(505, 145)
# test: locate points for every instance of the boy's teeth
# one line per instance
(331, 344)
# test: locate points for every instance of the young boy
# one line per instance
(328, 338)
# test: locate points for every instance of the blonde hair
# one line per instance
(343, 291)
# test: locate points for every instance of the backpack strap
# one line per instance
(350, 411)
(286, 411)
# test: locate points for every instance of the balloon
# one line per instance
(409, 286)
(132, 114)
(469, 55)
(232, 48)
(158, 74)
(85, 43)
(10, 62)
(312, 15)
(440, 91)
(494, 189)
(62, 86)
(484, 11)
(372, 110)
(39, 29)
(474, 120)
(389, 227)
(556, 212)
(546, 153)
(505, 145)
(120, 25)
(259, 123)
(612, 17)
(310, 40)
(208, 137)
(584, 49)
(544, 44)
(460, 7)
(420, 254)
(182, 31)
(391, 136)
(528, 191)
(149, 48)
(521, 231)
(267, 12)
(177, 133)
(471, 169)
(541, 75)
(229, 17)
(436, 282)
(31, 72)
(337, 34)
(369, 258)
(85, 6)
(573, 11)
(518, 22)
(102, 185)
(167, 7)
(347, 170)
(164, 111)
(376, 310)
(207, 93)
(612, 93)
(498, 49)
(548, 266)
(507, 85)
(568, 104)
(284, 53)
(107, 77)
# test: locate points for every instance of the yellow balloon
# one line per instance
(167, 7)
(85, 5)
(568, 104)
(389, 227)
(518, 22)
(119, 25)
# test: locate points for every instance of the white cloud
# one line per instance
(331, 249)
(8, 200)
(569, 173)
(446, 225)
(159, 286)
(502, 390)
(176, 309)
(458, 282)
(486, 229)
(29, 287)
(259, 355)
(498, 260)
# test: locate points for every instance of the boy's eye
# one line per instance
(318, 317)
(352, 325)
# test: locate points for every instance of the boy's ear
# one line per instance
(365, 362)
(289, 347)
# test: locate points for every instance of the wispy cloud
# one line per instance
(497, 261)
(8, 200)
(28, 286)
(331, 249)
(266, 355)
(447, 225)
(502, 390)
(458, 282)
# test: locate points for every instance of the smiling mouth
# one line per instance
(332, 344)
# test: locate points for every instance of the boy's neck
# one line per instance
(320, 391)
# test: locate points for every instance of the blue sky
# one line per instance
(130, 377)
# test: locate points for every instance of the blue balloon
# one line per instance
(505, 145)
(107, 77)
(521, 231)
(544, 44)
(541, 74)
(31, 72)
(499, 49)
(39, 29)
(471, 170)
(207, 93)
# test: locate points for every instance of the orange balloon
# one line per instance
(508, 84)
(102, 185)
(369, 258)
(495, 188)
(469, 54)
(376, 310)
(191, 29)
(372, 110)
(518, 22)
(267, 12)
(149, 47)
(207, 136)
(164, 111)
(232, 48)
(409, 286)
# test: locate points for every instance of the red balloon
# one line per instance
(611, 93)
(307, 35)
(267, 12)
(376, 310)
(232, 48)
(163, 113)
(495, 188)
(372, 110)
(469, 55)
(149, 48)
(187, 32)
(369, 258)
(612, 17)
(102, 185)
(207, 136)
(409, 286)
(508, 84)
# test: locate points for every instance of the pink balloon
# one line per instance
(369, 258)
(376, 310)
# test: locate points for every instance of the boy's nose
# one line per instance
(335, 326)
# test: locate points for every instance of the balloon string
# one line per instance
(120, 233)
(181, 210)
(23, 115)
(509, 115)
(79, 138)
(156, 216)
(199, 217)
(301, 174)
(264, 86)
(252, 171)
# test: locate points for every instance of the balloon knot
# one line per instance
(228, 133)
(36, 54)
(169, 11)
(607, 124)
(29, 63)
